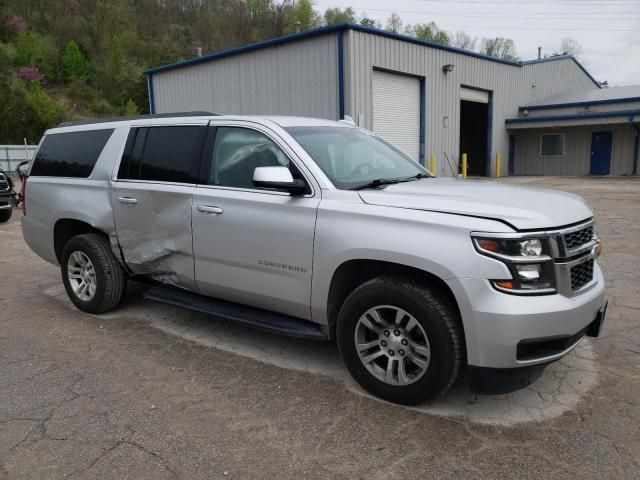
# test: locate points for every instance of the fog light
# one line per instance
(528, 272)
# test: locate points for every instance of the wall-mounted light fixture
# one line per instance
(447, 68)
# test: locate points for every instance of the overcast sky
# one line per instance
(608, 30)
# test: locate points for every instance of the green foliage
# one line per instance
(36, 50)
(302, 11)
(394, 23)
(428, 31)
(499, 47)
(75, 64)
(130, 108)
(26, 111)
(334, 16)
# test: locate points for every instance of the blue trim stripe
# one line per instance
(549, 118)
(340, 38)
(580, 104)
(321, 31)
(152, 102)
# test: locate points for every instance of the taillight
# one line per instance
(23, 193)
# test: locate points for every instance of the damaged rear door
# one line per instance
(152, 201)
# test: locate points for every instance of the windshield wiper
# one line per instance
(380, 181)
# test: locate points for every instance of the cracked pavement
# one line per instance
(151, 391)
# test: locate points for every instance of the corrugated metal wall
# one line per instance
(298, 78)
(512, 86)
(577, 158)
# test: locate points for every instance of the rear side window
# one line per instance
(162, 154)
(72, 154)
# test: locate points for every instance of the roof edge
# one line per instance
(605, 101)
(575, 116)
(358, 28)
(317, 32)
(563, 57)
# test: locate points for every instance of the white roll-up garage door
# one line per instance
(396, 110)
(473, 95)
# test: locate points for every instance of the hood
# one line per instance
(522, 207)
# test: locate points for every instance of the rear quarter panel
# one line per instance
(49, 199)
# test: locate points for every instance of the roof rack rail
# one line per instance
(136, 117)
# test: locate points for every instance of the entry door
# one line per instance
(152, 201)
(601, 153)
(252, 246)
(396, 110)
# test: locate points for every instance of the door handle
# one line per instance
(210, 209)
(127, 200)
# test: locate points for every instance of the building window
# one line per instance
(552, 145)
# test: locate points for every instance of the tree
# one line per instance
(464, 41)
(369, 22)
(394, 23)
(130, 108)
(428, 31)
(499, 47)
(569, 46)
(334, 16)
(75, 64)
(302, 11)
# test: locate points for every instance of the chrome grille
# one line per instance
(581, 274)
(578, 238)
(4, 184)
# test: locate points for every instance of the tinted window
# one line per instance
(72, 154)
(163, 154)
(237, 152)
(169, 154)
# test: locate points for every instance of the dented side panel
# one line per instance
(153, 224)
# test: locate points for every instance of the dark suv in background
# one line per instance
(7, 197)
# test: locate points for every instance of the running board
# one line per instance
(241, 314)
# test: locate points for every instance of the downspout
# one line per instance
(340, 37)
(636, 147)
(152, 103)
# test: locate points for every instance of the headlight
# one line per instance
(528, 259)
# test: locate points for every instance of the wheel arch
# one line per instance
(352, 273)
(67, 228)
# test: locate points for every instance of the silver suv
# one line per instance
(320, 229)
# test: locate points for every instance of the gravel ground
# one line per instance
(150, 391)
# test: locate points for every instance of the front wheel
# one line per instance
(92, 277)
(400, 340)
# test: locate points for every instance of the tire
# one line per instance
(430, 365)
(5, 215)
(108, 281)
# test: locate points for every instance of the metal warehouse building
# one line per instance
(546, 116)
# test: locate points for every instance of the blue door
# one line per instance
(601, 153)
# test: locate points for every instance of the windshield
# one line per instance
(353, 157)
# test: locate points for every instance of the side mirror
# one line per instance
(23, 169)
(278, 178)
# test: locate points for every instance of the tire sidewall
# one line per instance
(442, 361)
(78, 244)
(5, 217)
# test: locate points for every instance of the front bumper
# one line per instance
(8, 201)
(495, 323)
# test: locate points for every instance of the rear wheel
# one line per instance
(400, 340)
(92, 277)
(5, 215)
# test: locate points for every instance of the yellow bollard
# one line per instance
(432, 163)
(464, 165)
(497, 165)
